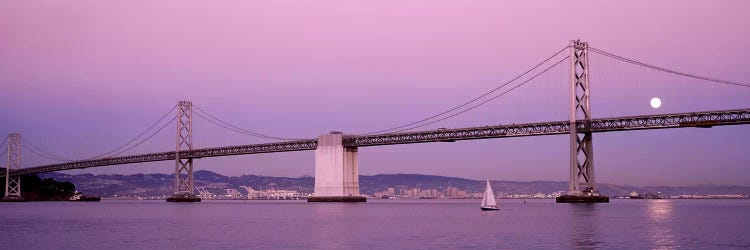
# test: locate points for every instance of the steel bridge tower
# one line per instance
(582, 188)
(13, 183)
(183, 172)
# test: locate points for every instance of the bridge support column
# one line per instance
(183, 172)
(581, 188)
(13, 183)
(336, 171)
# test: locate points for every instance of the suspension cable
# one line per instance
(135, 138)
(112, 152)
(237, 130)
(489, 100)
(145, 139)
(475, 99)
(32, 150)
(48, 156)
(231, 127)
(198, 114)
(650, 66)
(41, 152)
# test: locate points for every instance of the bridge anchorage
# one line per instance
(336, 171)
(13, 183)
(183, 170)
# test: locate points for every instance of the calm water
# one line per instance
(377, 224)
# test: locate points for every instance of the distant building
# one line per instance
(232, 194)
(203, 194)
(281, 194)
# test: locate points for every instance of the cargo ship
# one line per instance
(635, 195)
(78, 196)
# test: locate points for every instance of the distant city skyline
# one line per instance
(210, 185)
(81, 78)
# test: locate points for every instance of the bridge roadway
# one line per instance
(663, 121)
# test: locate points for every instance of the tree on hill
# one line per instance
(34, 188)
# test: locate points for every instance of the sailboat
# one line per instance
(488, 201)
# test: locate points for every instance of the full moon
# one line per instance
(655, 102)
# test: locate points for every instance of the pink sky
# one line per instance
(81, 77)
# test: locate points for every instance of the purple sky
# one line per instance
(81, 77)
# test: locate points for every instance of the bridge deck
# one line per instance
(694, 119)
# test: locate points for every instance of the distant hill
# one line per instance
(145, 185)
(377, 183)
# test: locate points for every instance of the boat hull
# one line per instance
(88, 198)
(184, 198)
(489, 208)
(336, 199)
(581, 199)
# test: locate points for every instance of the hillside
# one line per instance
(152, 185)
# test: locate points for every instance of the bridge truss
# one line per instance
(580, 126)
(677, 120)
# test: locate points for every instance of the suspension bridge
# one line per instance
(336, 163)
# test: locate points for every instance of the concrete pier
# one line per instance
(336, 171)
(336, 199)
(586, 196)
(183, 198)
(581, 199)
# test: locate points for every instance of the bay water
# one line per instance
(376, 224)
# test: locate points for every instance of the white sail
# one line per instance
(489, 197)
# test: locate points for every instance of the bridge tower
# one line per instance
(13, 183)
(582, 188)
(183, 172)
(336, 171)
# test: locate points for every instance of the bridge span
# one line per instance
(662, 121)
(336, 162)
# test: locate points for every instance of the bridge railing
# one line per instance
(299, 145)
(310, 144)
(693, 119)
(162, 156)
(450, 135)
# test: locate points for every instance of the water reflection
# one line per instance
(659, 210)
(332, 225)
(584, 226)
(659, 215)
